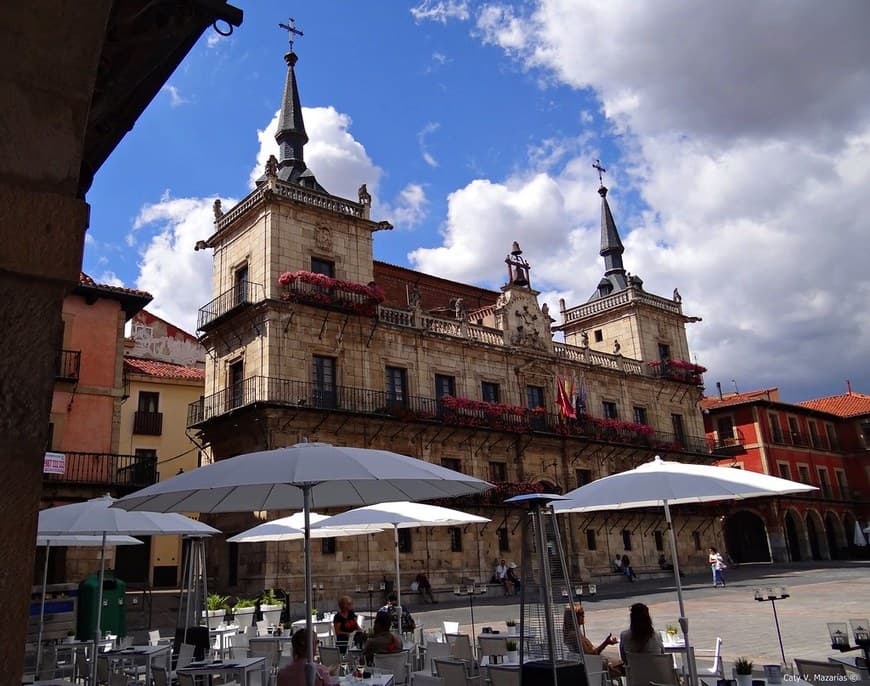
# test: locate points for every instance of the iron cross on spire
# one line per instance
(601, 171)
(290, 28)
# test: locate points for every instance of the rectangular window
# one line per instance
(455, 539)
(679, 430)
(404, 540)
(840, 476)
(452, 463)
(659, 540)
(321, 266)
(327, 546)
(503, 540)
(725, 429)
(591, 543)
(444, 385)
(803, 474)
(397, 386)
(490, 392)
(235, 381)
(497, 471)
(784, 470)
(639, 414)
(241, 289)
(794, 431)
(832, 437)
(584, 476)
(598, 334)
(696, 539)
(149, 402)
(626, 539)
(824, 482)
(815, 441)
(775, 428)
(535, 396)
(609, 410)
(147, 453)
(323, 380)
(664, 351)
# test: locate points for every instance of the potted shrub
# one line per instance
(216, 609)
(271, 607)
(244, 611)
(743, 671)
(512, 656)
(511, 625)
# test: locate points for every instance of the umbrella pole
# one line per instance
(98, 632)
(42, 609)
(309, 660)
(684, 621)
(398, 580)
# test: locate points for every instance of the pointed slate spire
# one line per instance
(611, 245)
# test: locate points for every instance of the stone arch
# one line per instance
(838, 546)
(746, 537)
(816, 536)
(795, 536)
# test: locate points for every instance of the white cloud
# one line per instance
(410, 208)
(749, 149)
(178, 277)
(175, 97)
(441, 11)
(422, 141)
(109, 278)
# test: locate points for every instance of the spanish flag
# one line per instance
(565, 397)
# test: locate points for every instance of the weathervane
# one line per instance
(290, 28)
(601, 171)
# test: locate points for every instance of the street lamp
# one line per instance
(771, 594)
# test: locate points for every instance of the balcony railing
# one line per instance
(106, 469)
(68, 362)
(148, 423)
(242, 294)
(724, 443)
(303, 394)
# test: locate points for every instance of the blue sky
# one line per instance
(736, 148)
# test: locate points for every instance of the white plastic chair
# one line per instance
(394, 663)
(267, 649)
(596, 674)
(717, 668)
(449, 628)
(329, 656)
(642, 668)
(453, 673)
(504, 675)
(238, 646)
(460, 647)
(820, 673)
(262, 628)
(491, 649)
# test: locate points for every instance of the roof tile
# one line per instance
(164, 370)
(844, 405)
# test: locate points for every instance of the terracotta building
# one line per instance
(820, 442)
(309, 337)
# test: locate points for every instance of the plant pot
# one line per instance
(214, 618)
(272, 614)
(244, 616)
(743, 679)
(512, 657)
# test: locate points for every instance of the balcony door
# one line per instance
(323, 379)
(148, 419)
(235, 384)
(396, 387)
(240, 285)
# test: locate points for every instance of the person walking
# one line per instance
(717, 566)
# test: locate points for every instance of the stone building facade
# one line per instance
(310, 338)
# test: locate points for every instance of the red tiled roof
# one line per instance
(164, 370)
(845, 405)
(729, 399)
(85, 280)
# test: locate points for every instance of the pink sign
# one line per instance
(54, 463)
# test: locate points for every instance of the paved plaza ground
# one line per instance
(820, 593)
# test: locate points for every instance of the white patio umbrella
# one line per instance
(292, 528)
(68, 542)
(661, 484)
(303, 476)
(96, 517)
(399, 515)
(858, 536)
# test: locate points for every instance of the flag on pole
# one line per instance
(580, 398)
(565, 397)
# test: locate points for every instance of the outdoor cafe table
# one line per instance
(279, 641)
(243, 666)
(222, 634)
(374, 680)
(144, 655)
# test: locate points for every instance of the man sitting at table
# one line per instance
(294, 673)
(392, 609)
(382, 639)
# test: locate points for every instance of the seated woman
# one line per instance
(294, 673)
(344, 623)
(640, 637)
(382, 639)
(577, 642)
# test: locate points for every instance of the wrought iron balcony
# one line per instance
(148, 423)
(678, 370)
(239, 296)
(729, 443)
(68, 363)
(302, 394)
(106, 469)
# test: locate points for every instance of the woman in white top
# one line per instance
(640, 637)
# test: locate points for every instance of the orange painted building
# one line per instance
(820, 442)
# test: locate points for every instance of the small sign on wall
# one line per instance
(54, 463)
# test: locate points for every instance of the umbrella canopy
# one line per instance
(399, 515)
(97, 517)
(660, 484)
(303, 476)
(292, 528)
(858, 537)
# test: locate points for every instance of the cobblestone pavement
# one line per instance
(819, 593)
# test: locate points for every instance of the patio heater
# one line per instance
(546, 659)
(192, 603)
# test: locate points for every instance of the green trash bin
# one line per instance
(114, 616)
